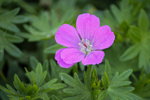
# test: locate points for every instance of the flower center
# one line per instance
(86, 46)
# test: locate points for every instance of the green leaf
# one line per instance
(45, 96)
(143, 21)
(29, 8)
(130, 53)
(33, 62)
(119, 14)
(7, 18)
(7, 91)
(82, 67)
(12, 12)
(19, 85)
(6, 44)
(77, 88)
(135, 34)
(56, 69)
(41, 27)
(108, 70)
(125, 9)
(108, 19)
(20, 19)
(113, 55)
(52, 85)
(124, 75)
(38, 76)
(144, 59)
(9, 26)
(13, 38)
(115, 12)
(142, 85)
(87, 77)
(68, 79)
(52, 49)
(12, 50)
(11, 89)
(105, 81)
(123, 27)
(54, 18)
(119, 88)
(102, 95)
(32, 90)
(44, 26)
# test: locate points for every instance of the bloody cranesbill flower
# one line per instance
(85, 43)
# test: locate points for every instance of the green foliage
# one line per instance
(79, 90)
(118, 14)
(119, 89)
(9, 19)
(133, 39)
(142, 85)
(44, 26)
(55, 70)
(113, 55)
(52, 68)
(38, 76)
(141, 37)
(130, 53)
(6, 43)
(35, 89)
(143, 21)
(52, 49)
(115, 87)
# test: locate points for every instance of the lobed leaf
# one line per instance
(135, 34)
(143, 21)
(52, 85)
(38, 76)
(130, 53)
(19, 85)
(78, 88)
(52, 49)
(119, 89)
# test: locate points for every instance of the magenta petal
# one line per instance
(86, 25)
(58, 53)
(95, 57)
(72, 55)
(67, 36)
(60, 60)
(103, 38)
(63, 64)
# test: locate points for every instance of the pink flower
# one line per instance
(84, 44)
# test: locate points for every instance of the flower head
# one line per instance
(85, 43)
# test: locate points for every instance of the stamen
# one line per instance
(80, 44)
(85, 46)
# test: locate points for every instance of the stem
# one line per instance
(3, 76)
